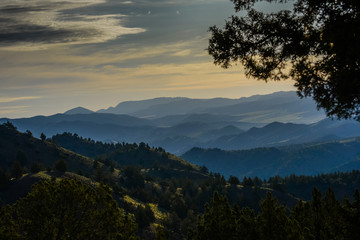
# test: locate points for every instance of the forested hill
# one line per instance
(161, 193)
(170, 193)
(155, 160)
(21, 152)
(304, 159)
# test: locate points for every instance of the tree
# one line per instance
(21, 157)
(233, 181)
(60, 165)
(4, 179)
(144, 216)
(16, 170)
(70, 209)
(42, 137)
(9, 125)
(316, 44)
(159, 233)
(217, 222)
(8, 228)
(37, 167)
(274, 223)
(28, 132)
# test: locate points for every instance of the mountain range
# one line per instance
(308, 159)
(179, 124)
(279, 106)
(154, 187)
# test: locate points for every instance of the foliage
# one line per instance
(16, 170)
(144, 216)
(60, 165)
(343, 184)
(21, 153)
(317, 40)
(37, 167)
(180, 199)
(69, 209)
(320, 218)
(4, 178)
(124, 154)
(8, 228)
(217, 222)
(233, 180)
(42, 137)
(9, 125)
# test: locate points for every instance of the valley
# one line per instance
(164, 170)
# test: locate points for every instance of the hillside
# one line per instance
(29, 151)
(155, 161)
(140, 177)
(304, 159)
(155, 187)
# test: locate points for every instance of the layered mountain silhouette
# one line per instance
(179, 124)
(279, 106)
(303, 159)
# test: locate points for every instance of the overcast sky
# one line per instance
(59, 54)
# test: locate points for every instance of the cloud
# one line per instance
(16, 99)
(182, 53)
(13, 109)
(38, 24)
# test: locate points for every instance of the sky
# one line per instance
(60, 54)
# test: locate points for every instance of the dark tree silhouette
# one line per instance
(42, 137)
(316, 44)
(233, 180)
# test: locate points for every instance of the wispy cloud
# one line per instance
(16, 99)
(39, 24)
(13, 109)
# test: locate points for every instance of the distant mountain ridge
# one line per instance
(302, 159)
(279, 134)
(78, 110)
(278, 106)
(257, 121)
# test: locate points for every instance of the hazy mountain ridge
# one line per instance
(303, 159)
(249, 125)
(261, 108)
(277, 134)
(78, 110)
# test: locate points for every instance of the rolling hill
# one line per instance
(302, 159)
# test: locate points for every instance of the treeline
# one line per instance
(71, 209)
(91, 148)
(343, 184)
(320, 218)
(121, 154)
